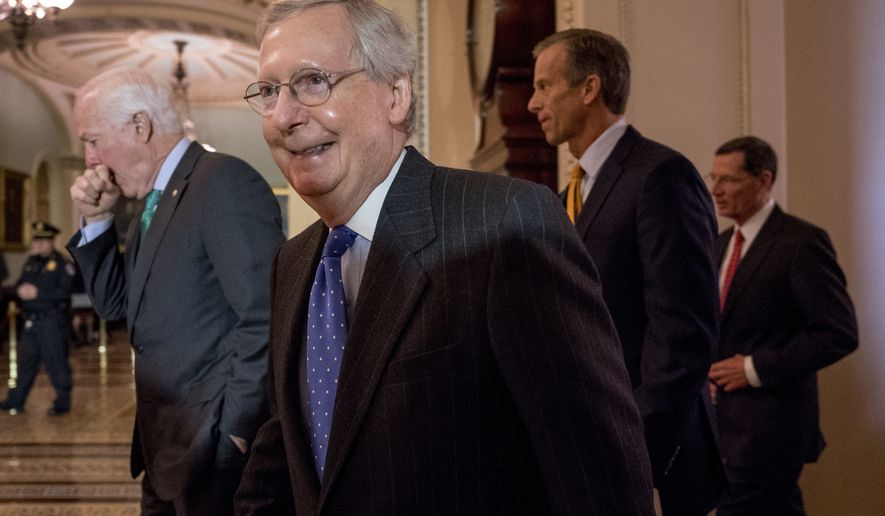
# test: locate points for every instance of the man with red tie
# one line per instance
(785, 314)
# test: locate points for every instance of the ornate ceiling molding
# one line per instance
(94, 35)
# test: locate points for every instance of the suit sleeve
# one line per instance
(556, 347)
(265, 487)
(104, 273)
(828, 329)
(676, 232)
(241, 209)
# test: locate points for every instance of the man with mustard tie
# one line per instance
(646, 218)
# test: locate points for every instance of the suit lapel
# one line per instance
(608, 175)
(751, 261)
(295, 273)
(133, 240)
(722, 246)
(392, 284)
(149, 243)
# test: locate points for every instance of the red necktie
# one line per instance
(732, 267)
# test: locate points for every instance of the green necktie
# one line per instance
(150, 207)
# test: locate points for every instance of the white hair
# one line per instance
(122, 92)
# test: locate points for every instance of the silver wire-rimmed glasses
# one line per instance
(310, 86)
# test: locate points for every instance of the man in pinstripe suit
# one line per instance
(481, 372)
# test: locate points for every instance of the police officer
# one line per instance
(45, 291)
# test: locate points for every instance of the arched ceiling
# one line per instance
(220, 57)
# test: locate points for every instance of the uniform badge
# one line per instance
(51, 265)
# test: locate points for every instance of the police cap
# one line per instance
(43, 230)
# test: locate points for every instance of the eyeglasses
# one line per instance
(311, 86)
(727, 180)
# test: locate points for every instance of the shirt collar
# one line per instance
(596, 154)
(365, 219)
(170, 163)
(754, 224)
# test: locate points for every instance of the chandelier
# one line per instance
(23, 13)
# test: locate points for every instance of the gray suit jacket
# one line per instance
(482, 373)
(194, 292)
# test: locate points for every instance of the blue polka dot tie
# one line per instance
(326, 336)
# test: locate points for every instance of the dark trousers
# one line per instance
(209, 496)
(44, 339)
(758, 495)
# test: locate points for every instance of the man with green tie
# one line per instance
(192, 286)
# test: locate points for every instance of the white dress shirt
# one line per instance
(363, 223)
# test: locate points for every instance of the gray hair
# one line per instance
(384, 46)
(124, 91)
(591, 52)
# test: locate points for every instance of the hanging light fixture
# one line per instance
(24, 13)
(179, 88)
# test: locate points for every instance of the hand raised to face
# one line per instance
(95, 193)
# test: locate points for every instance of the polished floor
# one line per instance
(77, 463)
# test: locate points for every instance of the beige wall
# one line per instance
(31, 132)
(452, 124)
(835, 132)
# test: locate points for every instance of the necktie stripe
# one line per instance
(574, 198)
(732, 267)
(150, 208)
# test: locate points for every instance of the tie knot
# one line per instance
(339, 239)
(738, 237)
(576, 171)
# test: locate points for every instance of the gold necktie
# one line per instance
(573, 197)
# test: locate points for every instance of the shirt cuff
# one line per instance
(89, 232)
(750, 371)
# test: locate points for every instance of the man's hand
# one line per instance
(240, 443)
(713, 391)
(27, 291)
(729, 373)
(95, 194)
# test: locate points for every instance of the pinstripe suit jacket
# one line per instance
(482, 373)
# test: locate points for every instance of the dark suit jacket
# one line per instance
(481, 375)
(650, 227)
(787, 307)
(195, 294)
